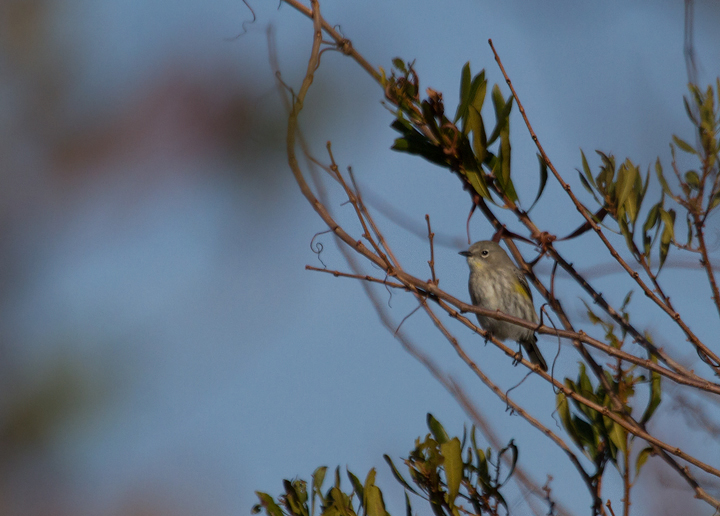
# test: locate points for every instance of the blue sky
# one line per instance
(169, 272)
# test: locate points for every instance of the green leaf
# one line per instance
(408, 507)
(689, 112)
(586, 169)
(661, 178)
(293, 499)
(587, 187)
(478, 89)
(339, 503)
(714, 201)
(692, 179)
(655, 394)
(475, 101)
(464, 93)
(543, 179)
(623, 184)
(337, 477)
(668, 234)
(587, 437)
(482, 466)
(586, 388)
(652, 217)
(625, 230)
(563, 408)
(397, 474)
(370, 478)
(628, 176)
(271, 508)
(374, 504)
(437, 430)
(357, 486)
(318, 478)
(684, 145)
(479, 140)
(400, 65)
(502, 174)
(452, 453)
(642, 458)
(513, 462)
(414, 142)
(502, 112)
(477, 181)
(618, 435)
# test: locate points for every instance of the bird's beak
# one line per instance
(464, 253)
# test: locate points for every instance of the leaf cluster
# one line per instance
(602, 439)
(461, 144)
(450, 484)
(620, 191)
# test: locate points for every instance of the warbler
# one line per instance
(497, 284)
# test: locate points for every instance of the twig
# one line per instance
(431, 263)
(706, 260)
(344, 44)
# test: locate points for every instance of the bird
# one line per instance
(497, 284)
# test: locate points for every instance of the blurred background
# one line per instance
(162, 349)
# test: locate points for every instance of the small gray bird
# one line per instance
(497, 284)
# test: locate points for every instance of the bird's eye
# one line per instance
(485, 253)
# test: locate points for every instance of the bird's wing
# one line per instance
(523, 282)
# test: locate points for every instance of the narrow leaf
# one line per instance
(452, 453)
(655, 394)
(692, 179)
(543, 179)
(437, 430)
(642, 458)
(684, 145)
(464, 93)
(374, 503)
(586, 169)
(617, 435)
(397, 474)
(477, 181)
(271, 508)
(357, 486)
(714, 201)
(661, 178)
(513, 462)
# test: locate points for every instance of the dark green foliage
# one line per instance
(426, 130)
(601, 438)
(437, 469)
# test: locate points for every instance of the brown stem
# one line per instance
(706, 260)
(583, 211)
(503, 396)
(435, 294)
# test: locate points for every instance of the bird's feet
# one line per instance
(517, 357)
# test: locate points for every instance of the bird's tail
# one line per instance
(531, 348)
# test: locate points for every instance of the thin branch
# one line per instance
(706, 260)
(435, 294)
(431, 262)
(500, 394)
(345, 45)
(675, 316)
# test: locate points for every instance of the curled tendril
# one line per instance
(318, 247)
(246, 22)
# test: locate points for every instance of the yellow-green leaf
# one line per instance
(452, 453)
